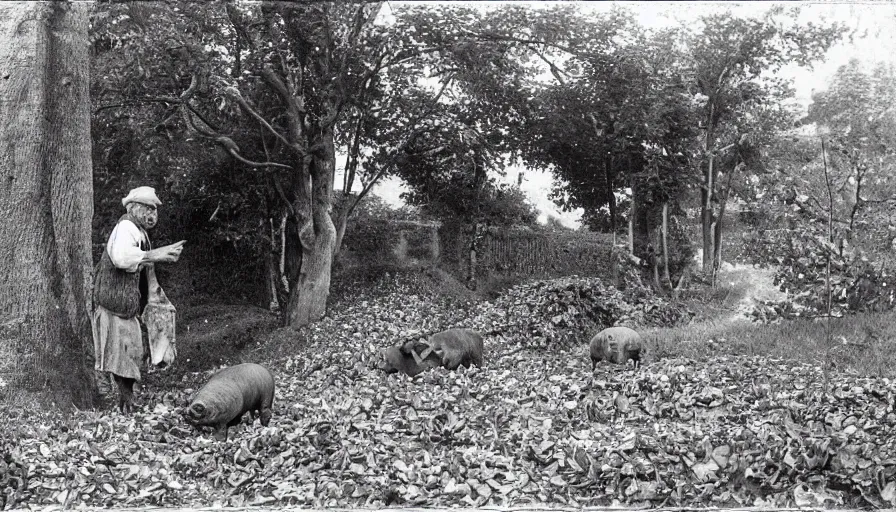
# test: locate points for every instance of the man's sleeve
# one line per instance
(124, 246)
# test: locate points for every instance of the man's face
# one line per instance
(146, 214)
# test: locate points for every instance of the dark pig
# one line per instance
(617, 345)
(125, 393)
(229, 394)
(451, 349)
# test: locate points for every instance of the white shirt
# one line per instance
(124, 246)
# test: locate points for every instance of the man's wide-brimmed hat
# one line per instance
(145, 195)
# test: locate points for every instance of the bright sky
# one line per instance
(873, 25)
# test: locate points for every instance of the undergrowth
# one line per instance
(863, 344)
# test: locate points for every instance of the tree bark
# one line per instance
(472, 261)
(308, 298)
(708, 216)
(341, 224)
(46, 198)
(717, 236)
(665, 241)
(611, 197)
(719, 225)
(271, 274)
(707, 194)
(633, 213)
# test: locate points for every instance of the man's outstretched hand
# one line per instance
(166, 254)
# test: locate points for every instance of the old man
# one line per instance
(120, 290)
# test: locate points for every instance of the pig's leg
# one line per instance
(221, 432)
(125, 394)
(235, 421)
(265, 416)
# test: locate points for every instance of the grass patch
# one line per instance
(863, 344)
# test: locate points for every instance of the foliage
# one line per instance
(797, 245)
(856, 111)
(530, 427)
(491, 203)
(855, 284)
(466, 90)
(143, 57)
(560, 312)
(375, 207)
(735, 61)
(623, 119)
(278, 90)
(850, 184)
(441, 96)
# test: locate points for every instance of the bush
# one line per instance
(570, 310)
(801, 258)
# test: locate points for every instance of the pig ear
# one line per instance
(417, 358)
(407, 347)
(425, 349)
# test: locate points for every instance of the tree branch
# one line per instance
(162, 99)
(411, 137)
(360, 20)
(275, 40)
(351, 165)
(412, 55)
(201, 117)
(226, 142)
(293, 109)
(522, 40)
(879, 201)
(235, 94)
(233, 149)
(556, 71)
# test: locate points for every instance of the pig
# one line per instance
(451, 349)
(229, 394)
(617, 345)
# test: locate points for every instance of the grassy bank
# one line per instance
(863, 344)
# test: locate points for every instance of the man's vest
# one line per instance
(121, 292)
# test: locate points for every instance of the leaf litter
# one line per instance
(533, 427)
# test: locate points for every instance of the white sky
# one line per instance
(873, 25)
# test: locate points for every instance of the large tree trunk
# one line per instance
(611, 197)
(308, 298)
(341, 224)
(632, 220)
(665, 240)
(717, 237)
(46, 201)
(707, 216)
(706, 195)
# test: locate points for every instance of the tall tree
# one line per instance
(269, 83)
(732, 59)
(464, 88)
(856, 118)
(619, 121)
(46, 198)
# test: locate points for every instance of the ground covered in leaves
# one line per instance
(534, 426)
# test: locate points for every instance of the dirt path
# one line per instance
(749, 286)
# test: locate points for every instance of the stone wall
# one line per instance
(397, 243)
(523, 252)
(519, 252)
